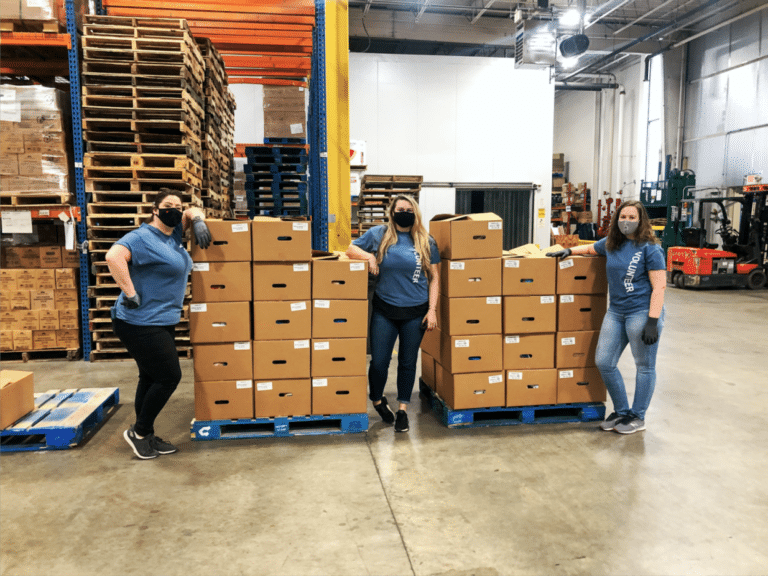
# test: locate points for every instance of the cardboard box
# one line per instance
(221, 282)
(69, 339)
(339, 318)
(276, 398)
(69, 319)
(17, 396)
(22, 340)
(465, 354)
(576, 349)
(50, 257)
(8, 279)
(531, 387)
(45, 279)
(462, 237)
(26, 279)
(19, 299)
(338, 357)
(281, 281)
(582, 275)
(580, 385)
(221, 362)
(231, 242)
(470, 278)
(476, 390)
(219, 322)
(428, 370)
(281, 239)
(70, 258)
(529, 351)
(285, 124)
(528, 276)
(9, 321)
(341, 279)
(282, 320)
(577, 312)
(66, 299)
(49, 319)
(30, 165)
(28, 319)
(11, 141)
(281, 359)
(44, 339)
(340, 395)
(6, 339)
(224, 399)
(65, 278)
(21, 257)
(465, 316)
(9, 163)
(529, 314)
(430, 343)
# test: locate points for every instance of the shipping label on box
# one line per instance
(529, 351)
(69, 319)
(339, 318)
(528, 276)
(580, 385)
(531, 387)
(219, 322)
(470, 236)
(530, 314)
(341, 395)
(282, 320)
(280, 398)
(219, 362)
(470, 315)
(470, 278)
(338, 357)
(221, 282)
(231, 242)
(281, 239)
(224, 400)
(281, 359)
(582, 275)
(342, 279)
(580, 312)
(281, 281)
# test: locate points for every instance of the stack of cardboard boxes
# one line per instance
(39, 309)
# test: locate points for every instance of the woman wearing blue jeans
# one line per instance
(404, 302)
(636, 283)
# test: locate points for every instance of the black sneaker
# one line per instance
(142, 447)
(401, 425)
(610, 423)
(162, 446)
(385, 411)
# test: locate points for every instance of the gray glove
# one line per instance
(202, 234)
(560, 253)
(132, 302)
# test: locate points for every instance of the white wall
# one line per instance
(454, 119)
(249, 114)
(574, 133)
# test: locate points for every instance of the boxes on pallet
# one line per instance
(27, 319)
(339, 279)
(276, 398)
(221, 282)
(20, 299)
(282, 320)
(6, 339)
(49, 319)
(428, 369)
(339, 395)
(582, 275)
(219, 322)
(338, 357)
(529, 351)
(461, 237)
(576, 385)
(43, 300)
(221, 362)
(281, 281)
(231, 242)
(46, 279)
(67, 338)
(36, 257)
(466, 354)
(223, 399)
(339, 318)
(65, 299)
(7, 279)
(528, 275)
(466, 316)
(470, 390)
(581, 311)
(22, 340)
(17, 396)
(529, 314)
(576, 349)
(69, 319)
(44, 339)
(281, 359)
(286, 239)
(531, 387)
(470, 278)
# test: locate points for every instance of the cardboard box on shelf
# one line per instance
(219, 322)
(577, 385)
(529, 351)
(69, 319)
(69, 339)
(282, 320)
(231, 242)
(26, 279)
(341, 279)
(43, 299)
(465, 316)
(6, 339)
(465, 354)
(17, 396)
(281, 359)
(44, 339)
(576, 349)
(428, 369)
(22, 340)
(474, 390)
(66, 299)
(339, 395)
(339, 318)
(275, 398)
(470, 278)
(49, 319)
(221, 282)
(224, 399)
(582, 275)
(8, 279)
(20, 257)
(281, 281)
(285, 124)
(19, 299)
(531, 387)
(70, 258)
(66, 278)
(28, 319)
(281, 239)
(222, 362)
(530, 314)
(461, 237)
(50, 257)
(524, 276)
(576, 312)
(338, 357)
(45, 279)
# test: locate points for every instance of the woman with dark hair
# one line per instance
(636, 283)
(151, 267)
(404, 257)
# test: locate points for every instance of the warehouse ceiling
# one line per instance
(617, 29)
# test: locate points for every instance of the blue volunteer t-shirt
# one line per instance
(628, 283)
(159, 268)
(402, 280)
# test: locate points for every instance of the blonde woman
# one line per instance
(405, 258)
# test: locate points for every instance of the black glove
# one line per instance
(202, 234)
(560, 253)
(650, 332)
(132, 302)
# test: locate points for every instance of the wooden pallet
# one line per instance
(105, 133)
(36, 198)
(136, 175)
(35, 26)
(102, 194)
(180, 78)
(108, 46)
(185, 102)
(192, 153)
(142, 120)
(48, 355)
(149, 161)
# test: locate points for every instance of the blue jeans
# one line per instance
(384, 332)
(617, 331)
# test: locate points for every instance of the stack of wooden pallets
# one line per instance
(218, 134)
(376, 192)
(276, 179)
(143, 118)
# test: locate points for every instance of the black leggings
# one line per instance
(154, 350)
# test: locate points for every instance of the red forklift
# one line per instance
(743, 259)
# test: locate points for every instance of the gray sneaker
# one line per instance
(629, 425)
(609, 423)
(142, 447)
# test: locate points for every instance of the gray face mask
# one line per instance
(628, 227)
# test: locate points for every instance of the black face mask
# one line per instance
(404, 219)
(170, 216)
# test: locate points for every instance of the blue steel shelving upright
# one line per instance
(318, 135)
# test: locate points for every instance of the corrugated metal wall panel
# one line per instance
(514, 207)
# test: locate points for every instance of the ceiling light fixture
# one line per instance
(570, 18)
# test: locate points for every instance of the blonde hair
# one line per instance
(419, 234)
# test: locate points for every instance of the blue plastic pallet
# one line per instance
(275, 167)
(61, 419)
(285, 140)
(502, 416)
(279, 427)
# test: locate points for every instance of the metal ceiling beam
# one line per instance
(614, 6)
(636, 20)
(725, 23)
(482, 11)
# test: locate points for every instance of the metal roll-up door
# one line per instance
(514, 206)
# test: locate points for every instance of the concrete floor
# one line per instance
(688, 496)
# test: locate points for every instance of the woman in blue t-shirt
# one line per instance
(404, 302)
(636, 283)
(151, 267)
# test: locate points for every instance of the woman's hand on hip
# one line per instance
(430, 320)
